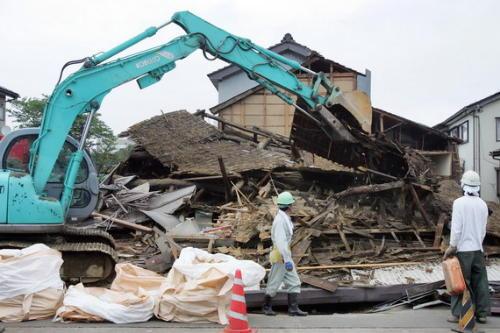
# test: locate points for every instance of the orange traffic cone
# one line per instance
(237, 314)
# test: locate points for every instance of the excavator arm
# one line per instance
(83, 91)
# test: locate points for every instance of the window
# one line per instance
(462, 131)
(2, 109)
(498, 180)
(18, 157)
(497, 120)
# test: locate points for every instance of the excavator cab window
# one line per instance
(18, 156)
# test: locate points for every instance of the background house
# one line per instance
(242, 101)
(4, 94)
(477, 125)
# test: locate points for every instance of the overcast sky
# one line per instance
(428, 58)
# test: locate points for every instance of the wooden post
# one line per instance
(227, 184)
(344, 239)
(419, 205)
(439, 230)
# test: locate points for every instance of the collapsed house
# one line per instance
(188, 183)
(367, 205)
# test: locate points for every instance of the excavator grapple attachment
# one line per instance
(357, 104)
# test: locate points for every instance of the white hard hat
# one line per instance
(470, 178)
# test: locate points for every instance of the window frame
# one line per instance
(497, 119)
(460, 133)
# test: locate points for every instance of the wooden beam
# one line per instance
(319, 282)
(161, 183)
(380, 231)
(439, 230)
(227, 184)
(365, 189)
(124, 223)
(344, 239)
(419, 205)
(348, 266)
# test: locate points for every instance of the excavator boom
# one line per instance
(22, 198)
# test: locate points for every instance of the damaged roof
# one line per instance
(188, 144)
(466, 110)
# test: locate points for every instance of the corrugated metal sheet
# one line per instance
(423, 273)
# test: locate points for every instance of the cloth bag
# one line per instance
(198, 287)
(30, 285)
(99, 304)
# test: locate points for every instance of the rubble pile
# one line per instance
(188, 183)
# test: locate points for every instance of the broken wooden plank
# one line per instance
(439, 230)
(365, 189)
(123, 223)
(174, 247)
(349, 266)
(344, 239)
(359, 232)
(319, 283)
(227, 184)
(161, 183)
(419, 205)
(419, 238)
(393, 234)
(381, 231)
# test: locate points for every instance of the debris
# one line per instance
(319, 283)
(372, 204)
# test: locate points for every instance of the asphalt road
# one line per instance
(425, 320)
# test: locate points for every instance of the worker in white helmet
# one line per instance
(283, 270)
(468, 229)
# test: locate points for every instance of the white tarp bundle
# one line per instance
(198, 286)
(99, 304)
(30, 285)
(131, 278)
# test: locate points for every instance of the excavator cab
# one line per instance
(15, 155)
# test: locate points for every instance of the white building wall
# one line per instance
(486, 124)
(466, 150)
(475, 154)
(239, 82)
(234, 85)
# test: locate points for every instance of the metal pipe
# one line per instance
(292, 63)
(86, 129)
(97, 59)
(163, 25)
(307, 114)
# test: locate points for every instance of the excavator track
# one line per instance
(89, 255)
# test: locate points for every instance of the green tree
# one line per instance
(28, 111)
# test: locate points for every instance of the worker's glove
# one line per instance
(450, 252)
(289, 266)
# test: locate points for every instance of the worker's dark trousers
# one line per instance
(474, 271)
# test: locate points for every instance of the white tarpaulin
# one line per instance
(99, 304)
(138, 280)
(198, 286)
(30, 286)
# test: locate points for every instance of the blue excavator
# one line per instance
(57, 184)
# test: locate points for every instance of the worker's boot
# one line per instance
(293, 306)
(267, 308)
